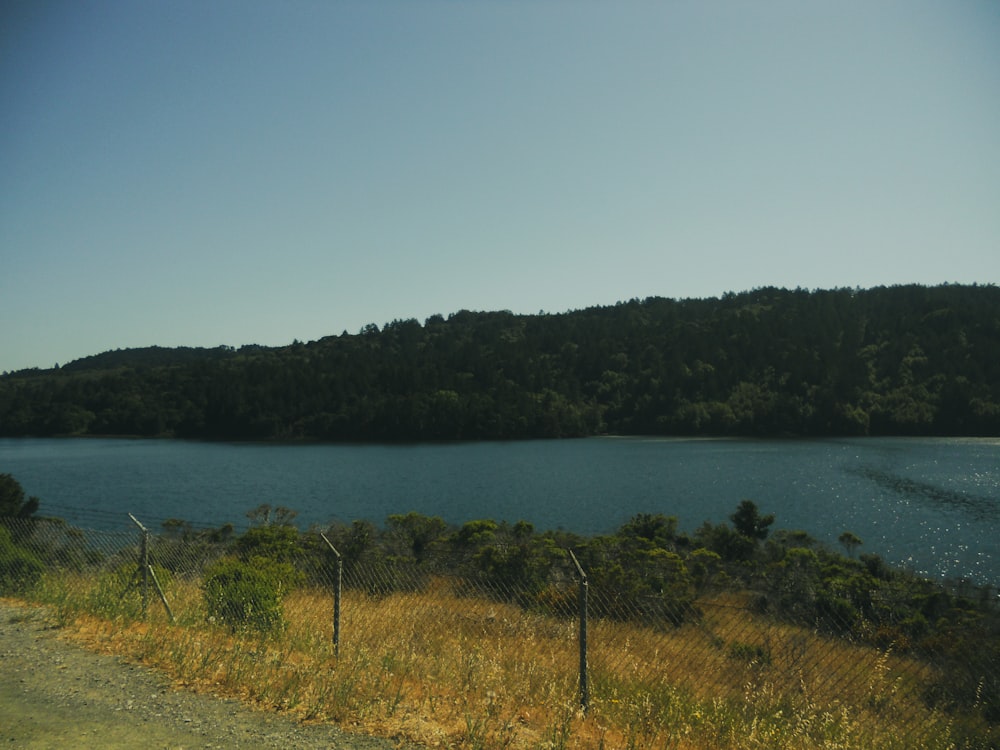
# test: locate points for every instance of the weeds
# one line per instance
(463, 672)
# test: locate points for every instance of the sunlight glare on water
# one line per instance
(930, 504)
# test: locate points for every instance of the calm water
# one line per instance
(930, 504)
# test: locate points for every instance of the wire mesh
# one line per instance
(476, 641)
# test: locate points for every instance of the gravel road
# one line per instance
(54, 694)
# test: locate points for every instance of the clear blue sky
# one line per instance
(201, 173)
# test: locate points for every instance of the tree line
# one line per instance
(902, 360)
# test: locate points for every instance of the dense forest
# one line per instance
(903, 360)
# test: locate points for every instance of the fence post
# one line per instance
(147, 573)
(338, 583)
(143, 564)
(584, 686)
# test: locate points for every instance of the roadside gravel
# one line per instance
(54, 694)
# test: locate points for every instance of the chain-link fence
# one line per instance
(494, 636)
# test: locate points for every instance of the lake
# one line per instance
(932, 505)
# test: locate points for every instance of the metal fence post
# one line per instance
(148, 573)
(337, 587)
(584, 586)
(144, 566)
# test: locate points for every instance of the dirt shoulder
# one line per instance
(55, 694)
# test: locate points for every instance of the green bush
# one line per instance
(246, 595)
(279, 543)
(19, 569)
(651, 585)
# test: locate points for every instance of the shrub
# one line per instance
(280, 543)
(651, 585)
(19, 569)
(706, 568)
(247, 594)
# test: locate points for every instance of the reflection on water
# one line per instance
(980, 508)
(930, 504)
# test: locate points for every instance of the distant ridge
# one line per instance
(903, 360)
(149, 356)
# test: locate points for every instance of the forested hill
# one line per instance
(906, 360)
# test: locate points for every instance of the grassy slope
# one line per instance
(465, 672)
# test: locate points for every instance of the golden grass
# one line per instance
(451, 671)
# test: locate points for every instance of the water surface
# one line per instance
(930, 504)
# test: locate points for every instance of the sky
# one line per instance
(183, 173)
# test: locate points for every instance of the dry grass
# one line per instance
(451, 671)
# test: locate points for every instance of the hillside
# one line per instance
(906, 360)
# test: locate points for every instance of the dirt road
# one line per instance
(54, 694)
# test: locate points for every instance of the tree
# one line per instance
(850, 542)
(265, 515)
(12, 502)
(901, 360)
(748, 521)
(651, 530)
(417, 532)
